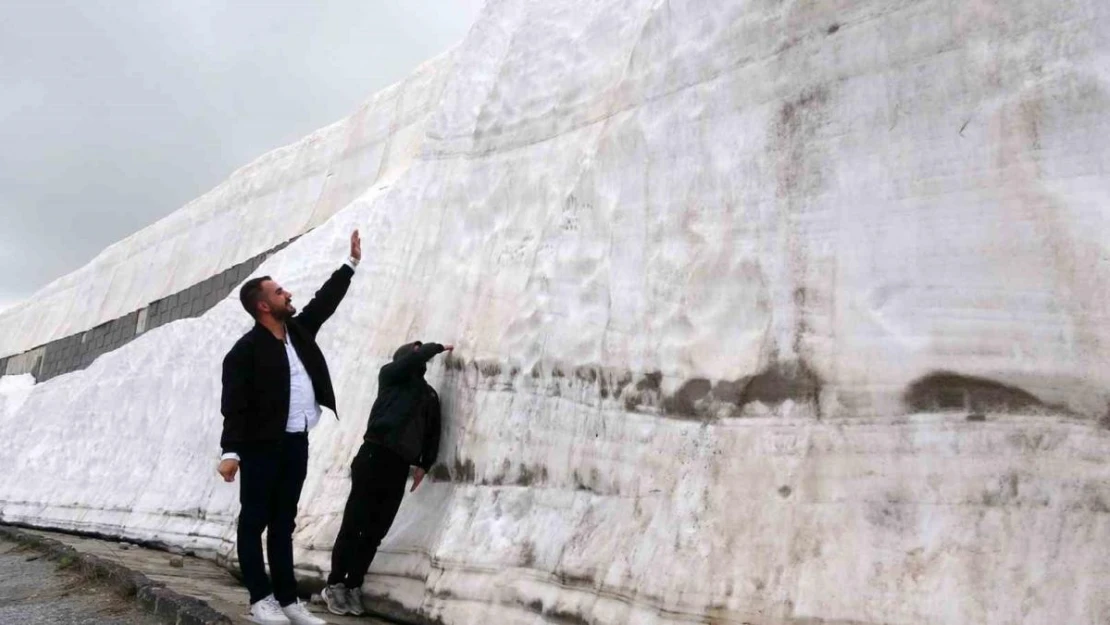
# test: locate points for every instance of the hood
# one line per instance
(406, 349)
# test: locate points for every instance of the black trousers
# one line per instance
(271, 477)
(378, 478)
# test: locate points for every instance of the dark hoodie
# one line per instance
(405, 417)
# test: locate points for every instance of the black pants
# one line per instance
(378, 478)
(271, 476)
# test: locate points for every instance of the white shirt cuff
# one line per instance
(352, 262)
(231, 455)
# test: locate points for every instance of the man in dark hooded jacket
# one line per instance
(403, 431)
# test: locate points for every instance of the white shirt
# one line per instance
(304, 412)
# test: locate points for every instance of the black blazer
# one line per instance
(255, 399)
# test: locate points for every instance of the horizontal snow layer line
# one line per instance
(77, 351)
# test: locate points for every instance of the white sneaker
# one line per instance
(354, 601)
(268, 612)
(299, 615)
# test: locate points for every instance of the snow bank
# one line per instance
(14, 390)
(765, 312)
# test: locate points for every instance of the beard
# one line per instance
(285, 313)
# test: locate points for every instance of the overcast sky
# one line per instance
(115, 113)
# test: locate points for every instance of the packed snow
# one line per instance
(764, 312)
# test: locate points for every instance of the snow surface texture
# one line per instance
(766, 312)
(14, 390)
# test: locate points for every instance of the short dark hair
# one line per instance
(251, 293)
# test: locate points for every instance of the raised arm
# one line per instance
(410, 364)
(327, 298)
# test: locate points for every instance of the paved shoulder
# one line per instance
(35, 591)
(192, 577)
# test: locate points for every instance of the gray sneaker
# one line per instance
(354, 601)
(338, 600)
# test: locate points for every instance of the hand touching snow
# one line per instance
(356, 246)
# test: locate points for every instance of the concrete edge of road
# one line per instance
(150, 595)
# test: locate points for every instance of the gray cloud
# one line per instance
(114, 114)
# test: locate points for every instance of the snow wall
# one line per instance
(767, 312)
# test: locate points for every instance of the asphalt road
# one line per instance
(34, 591)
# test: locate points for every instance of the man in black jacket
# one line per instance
(275, 379)
(403, 431)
